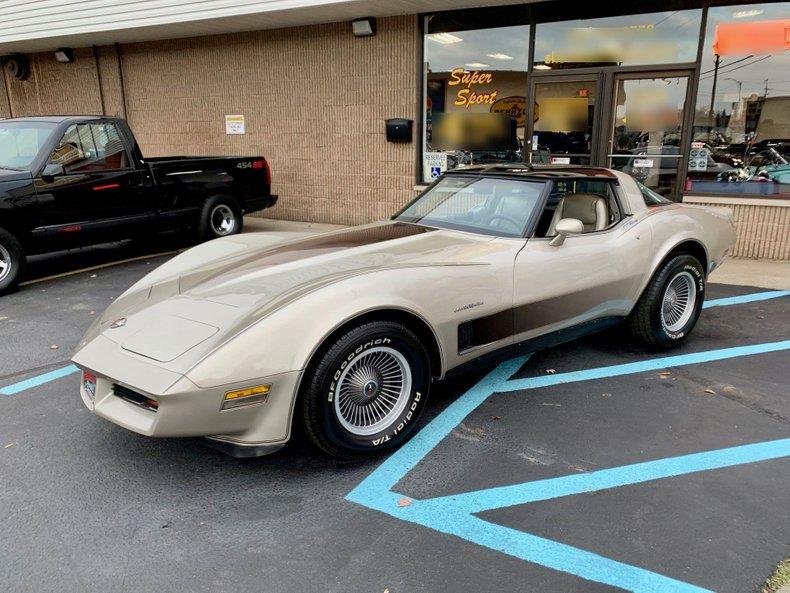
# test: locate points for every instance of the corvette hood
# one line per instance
(193, 309)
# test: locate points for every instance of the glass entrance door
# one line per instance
(647, 132)
(563, 122)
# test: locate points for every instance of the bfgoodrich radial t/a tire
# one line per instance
(364, 393)
(671, 304)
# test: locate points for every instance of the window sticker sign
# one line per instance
(234, 124)
(698, 158)
(643, 163)
(560, 160)
(434, 164)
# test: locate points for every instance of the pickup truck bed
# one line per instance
(69, 181)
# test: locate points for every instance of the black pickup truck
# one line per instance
(72, 181)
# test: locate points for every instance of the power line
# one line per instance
(736, 68)
(726, 65)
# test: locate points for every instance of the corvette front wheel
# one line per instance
(365, 392)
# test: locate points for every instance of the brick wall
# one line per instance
(314, 98)
(56, 89)
(762, 230)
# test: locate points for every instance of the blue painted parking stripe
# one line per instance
(453, 514)
(506, 496)
(38, 380)
(403, 460)
(746, 298)
(643, 366)
(552, 554)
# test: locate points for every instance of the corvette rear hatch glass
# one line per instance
(486, 205)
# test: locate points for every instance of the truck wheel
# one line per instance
(220, 217)
(365, 393)
(12, 261)
(671, 304)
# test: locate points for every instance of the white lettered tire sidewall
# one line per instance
(684, 263)
(325, 427)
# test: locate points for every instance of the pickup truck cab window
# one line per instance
(22, 141)
(90, 147)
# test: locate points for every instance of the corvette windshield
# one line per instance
(487, 205)
(21, 141)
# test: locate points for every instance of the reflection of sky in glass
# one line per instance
(750, 74)
(680, 29)
(475, 48)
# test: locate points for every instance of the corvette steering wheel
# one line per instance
(516, 224)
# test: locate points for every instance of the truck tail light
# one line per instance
(268, 174)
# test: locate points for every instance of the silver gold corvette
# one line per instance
(240, 338)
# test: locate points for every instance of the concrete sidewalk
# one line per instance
(753, 272)
(748, 272)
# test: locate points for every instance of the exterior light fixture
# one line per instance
(64, 55)
(364, 27)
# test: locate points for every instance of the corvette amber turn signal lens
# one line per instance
(245, 397)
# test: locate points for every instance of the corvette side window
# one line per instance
(591, 201)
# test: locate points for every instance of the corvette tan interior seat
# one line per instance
(591, 209)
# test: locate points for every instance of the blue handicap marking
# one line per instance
(456, 514)
(436, 172)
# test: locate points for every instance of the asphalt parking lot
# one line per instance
(590, 467)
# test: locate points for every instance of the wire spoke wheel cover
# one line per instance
(5, 262)
(677, 305)
(373, 390)
(223, 220)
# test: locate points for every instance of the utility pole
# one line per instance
(713, 90)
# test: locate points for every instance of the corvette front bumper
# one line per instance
(182, 408)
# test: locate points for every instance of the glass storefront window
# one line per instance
(562, 131)
(741, 139)
(475, 104)
(647, 130)
(655, 38)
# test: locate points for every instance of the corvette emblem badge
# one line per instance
(118, 323)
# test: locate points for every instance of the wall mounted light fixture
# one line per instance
(64, 55)
(365, 27)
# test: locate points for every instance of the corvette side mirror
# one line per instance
(565, 227)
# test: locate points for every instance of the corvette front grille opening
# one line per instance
(138, 399)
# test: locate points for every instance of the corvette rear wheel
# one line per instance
(365, 391)
(671, 304)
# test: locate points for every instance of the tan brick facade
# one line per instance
(763, 229)
(314, 98)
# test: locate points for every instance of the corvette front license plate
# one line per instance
(89, 382)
